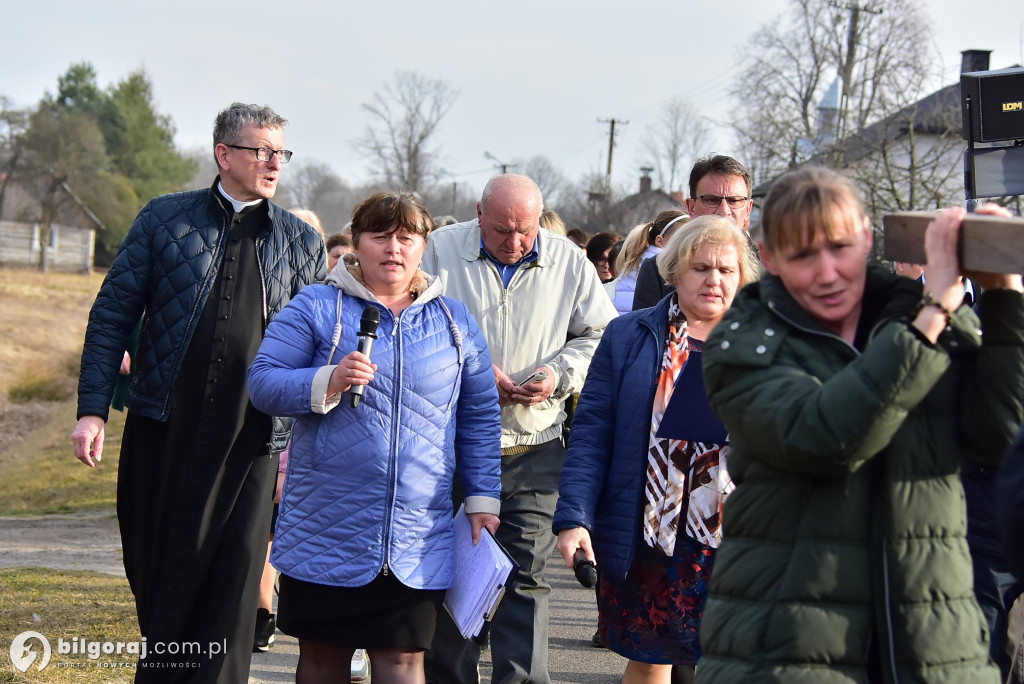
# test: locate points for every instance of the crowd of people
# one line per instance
(762, 445)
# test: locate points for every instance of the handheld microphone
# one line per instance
(367, 334)
(585, 570)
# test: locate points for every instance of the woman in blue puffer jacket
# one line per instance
(364, 538)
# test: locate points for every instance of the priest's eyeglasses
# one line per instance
(265, 154)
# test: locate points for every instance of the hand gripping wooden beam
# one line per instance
(990, 244)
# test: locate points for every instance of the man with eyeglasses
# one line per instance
(718, 185)
(205, 271)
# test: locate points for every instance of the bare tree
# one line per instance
(880, 125)
(456, 198)
(405, 114)
(911, 160)
(311, 183)
(875, 51)
(548, 178)
(593, 205)
(674, 142)
(314, 185)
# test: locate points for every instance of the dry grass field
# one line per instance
(44, 316)
(67, 605)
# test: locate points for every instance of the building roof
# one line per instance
(20, 204)
(934, 114)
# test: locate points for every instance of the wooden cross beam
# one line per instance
(990, 244)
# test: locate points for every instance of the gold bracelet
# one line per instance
(928, 299)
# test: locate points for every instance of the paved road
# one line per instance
(572, 660)
(84, 541)
(91, 542)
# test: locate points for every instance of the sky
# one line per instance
(533, 78)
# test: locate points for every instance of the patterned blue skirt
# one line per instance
(653, 614)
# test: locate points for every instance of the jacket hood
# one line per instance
(349, 279)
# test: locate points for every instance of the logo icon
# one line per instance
(1013, 106)
(22, 654)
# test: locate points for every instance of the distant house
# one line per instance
(640, 207)
(645, 205)
(910, 160)
(72, 239)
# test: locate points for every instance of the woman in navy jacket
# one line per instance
(641, 494)
(364, 538)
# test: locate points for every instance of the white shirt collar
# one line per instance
(238, 206)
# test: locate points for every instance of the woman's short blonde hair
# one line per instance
(805, 200)
(707, 230)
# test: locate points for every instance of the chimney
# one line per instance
(645, 179)
(974, 60)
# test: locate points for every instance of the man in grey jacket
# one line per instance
(542, 310)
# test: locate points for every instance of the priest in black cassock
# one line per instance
(205, 271)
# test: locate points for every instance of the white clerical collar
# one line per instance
(238, 206)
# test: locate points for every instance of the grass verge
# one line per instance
(40, 475)
(33, 387)
(60, 604)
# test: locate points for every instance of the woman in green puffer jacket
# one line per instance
(850, 395)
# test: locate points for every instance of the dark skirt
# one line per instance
(653, 614)
(382, 614)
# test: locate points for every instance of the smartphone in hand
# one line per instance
(536, 377)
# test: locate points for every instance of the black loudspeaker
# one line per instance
(995, 171)
(992, 104)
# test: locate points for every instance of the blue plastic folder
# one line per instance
(482, 573)
(689, 419)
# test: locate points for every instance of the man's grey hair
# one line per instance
(227, 127)
(515, 179)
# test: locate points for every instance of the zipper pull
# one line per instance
(385, 569)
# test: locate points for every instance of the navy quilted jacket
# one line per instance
(163, 273)
(603, 478)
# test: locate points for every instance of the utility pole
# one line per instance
(611, 146)
(852, 37)
(498, 163)
(455, 193)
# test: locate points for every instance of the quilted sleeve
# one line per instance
(478, 417)
(591, 440)
(119, 306)
(992, 401)
(826, 424)
(281, 375)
